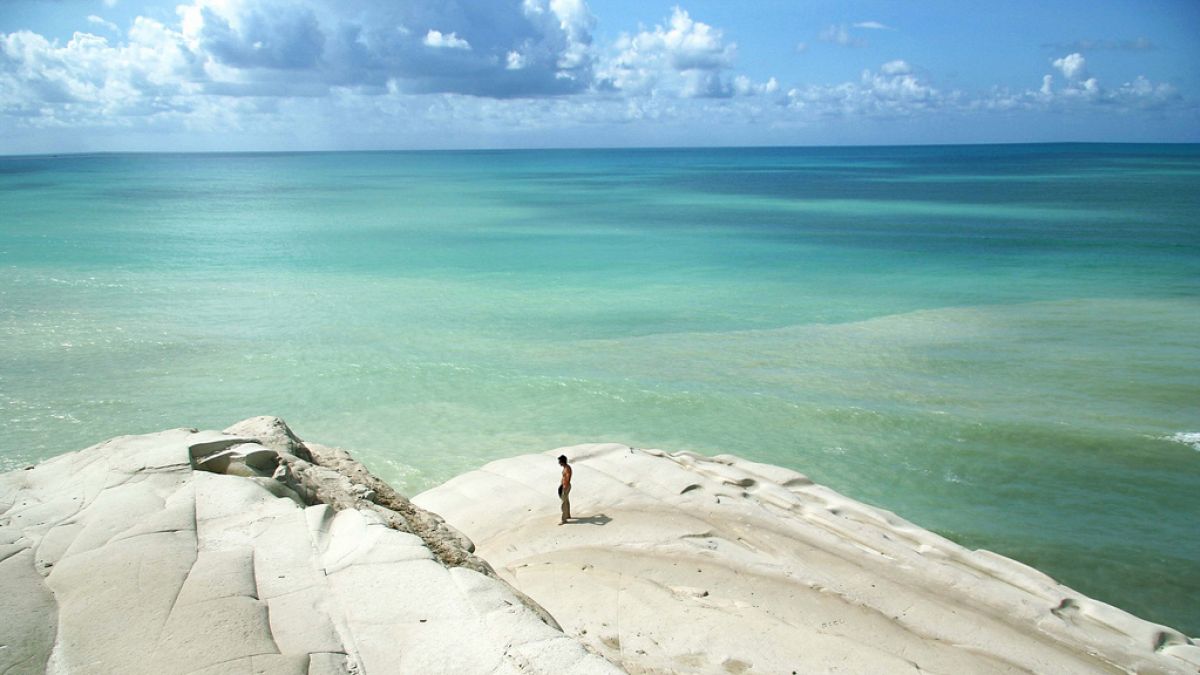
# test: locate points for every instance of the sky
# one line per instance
(228, 75)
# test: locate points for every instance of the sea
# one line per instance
(1000, 343)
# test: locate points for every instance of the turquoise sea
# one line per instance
(1000, 343)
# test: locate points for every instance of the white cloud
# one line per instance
(1079, 93)
(100, 21)
(110, 3)
(688, 44)
(189, 74)
(417, 46)
(576, 23)
(256, 67)
(685, 57)
(744, 86)
(1071, 65)
(438, 40)
(1144, 88)
(245, 35)
(893, 91)
(872, 25)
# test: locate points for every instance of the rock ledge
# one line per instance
(683, 563)
(248, 551)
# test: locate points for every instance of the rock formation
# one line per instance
(248, 551)
(251, 551)
(689, 564)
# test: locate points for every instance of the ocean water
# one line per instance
(1000, 343)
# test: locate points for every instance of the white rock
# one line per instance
(125, 558)
(682, 563)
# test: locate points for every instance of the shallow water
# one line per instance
(1000, 343)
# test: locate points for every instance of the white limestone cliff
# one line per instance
(678, 563)
(248, 551)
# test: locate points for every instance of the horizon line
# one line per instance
(86, 153)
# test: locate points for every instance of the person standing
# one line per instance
(564, 489)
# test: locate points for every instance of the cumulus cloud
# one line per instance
(274, 66)
(422, 46)
(744, 86)
(1071, 65)
(438, 40)
(279, 36)
(1078, 90)
(227, 62)
(1143, 94)
(684, 57)
(87, 76)
(895, 90)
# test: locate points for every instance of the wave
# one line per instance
(1191, 438)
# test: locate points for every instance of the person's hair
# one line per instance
(562, 459)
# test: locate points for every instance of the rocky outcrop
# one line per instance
(690, 564)
(248, 551)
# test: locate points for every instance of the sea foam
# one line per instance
(1191, 438)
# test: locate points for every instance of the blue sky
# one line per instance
(108, 75)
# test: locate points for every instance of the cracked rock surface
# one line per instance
(248, 551)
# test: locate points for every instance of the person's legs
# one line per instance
(566, 504)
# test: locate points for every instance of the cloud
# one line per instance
(99, 21)
(1071, 65)
(1142, 93)
(274, 35)
(895, 90)
(420, 46)
(1079, 92)
(684, 57)
(88, 79)
(744, 86)
(437, 40)
(191, 74)
(321, 69)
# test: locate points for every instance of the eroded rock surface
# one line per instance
(679, 563)
(248, 551)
